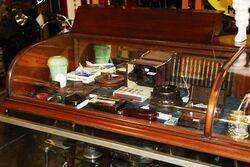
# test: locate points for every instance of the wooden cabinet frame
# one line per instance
(117, 30)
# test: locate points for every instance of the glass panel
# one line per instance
(234, 120)
(158, 86)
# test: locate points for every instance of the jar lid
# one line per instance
(57, 61)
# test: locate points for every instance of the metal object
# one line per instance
(91, 152)
(104, 142)
(38, 2)
(53, 142)
(21, 18)
(64, 21)
(238, 122)
(46, 151)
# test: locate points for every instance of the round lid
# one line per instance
(110, 80)
(57, 61)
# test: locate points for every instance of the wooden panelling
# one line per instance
(158, 24)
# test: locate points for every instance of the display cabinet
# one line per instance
(166, 80)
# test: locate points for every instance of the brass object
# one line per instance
(238, 121)
(237, 125)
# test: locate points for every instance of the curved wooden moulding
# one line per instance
(31, 63)
(29, 69)
(212, 103)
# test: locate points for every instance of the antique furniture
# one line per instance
(198, 62)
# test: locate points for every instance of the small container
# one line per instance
(58, 66)
(102, 53)
(238, 126)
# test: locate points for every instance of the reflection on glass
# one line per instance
(234, 119)
(174, 87)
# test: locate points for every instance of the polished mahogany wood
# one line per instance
(181, 137)
(242, 85)
(158, 24)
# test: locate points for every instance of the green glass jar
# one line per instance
(102, 53)
(58, 66)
